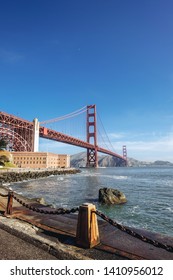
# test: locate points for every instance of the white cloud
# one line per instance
(150, 150)
(119, 135)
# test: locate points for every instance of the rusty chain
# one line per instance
(56, 212)
(100, 214)
(135, 234)
(3, 195)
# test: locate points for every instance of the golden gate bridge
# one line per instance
(23, 135)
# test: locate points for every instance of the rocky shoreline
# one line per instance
(21, 175)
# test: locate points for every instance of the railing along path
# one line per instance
(87, 222)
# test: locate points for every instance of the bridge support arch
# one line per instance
(16, 142)
(92, 157)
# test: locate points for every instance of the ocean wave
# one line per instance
(135, 210)
(117, 177)
(169, 209)
(60, 179)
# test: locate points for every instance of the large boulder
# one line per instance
(111, 196)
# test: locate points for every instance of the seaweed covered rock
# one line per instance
(111, 196)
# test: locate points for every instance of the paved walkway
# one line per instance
(14, 248)
(115, 244)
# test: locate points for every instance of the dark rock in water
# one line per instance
(111, 196)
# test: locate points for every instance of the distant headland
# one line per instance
(79, 160)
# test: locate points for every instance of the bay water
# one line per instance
(149, 193)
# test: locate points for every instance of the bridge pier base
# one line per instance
(35, 135)
(92, 159)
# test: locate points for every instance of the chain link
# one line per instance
(56, 212)
(135, 234)
(100, 214)
(3, 195)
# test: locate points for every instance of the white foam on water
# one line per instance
(169, 209)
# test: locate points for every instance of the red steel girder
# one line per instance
(15, 121)
(61, 137)
(24, 128)
(108, 152)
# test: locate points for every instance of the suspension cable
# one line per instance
(70, 115)
(112, 148)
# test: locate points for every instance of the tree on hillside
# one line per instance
(3, 159)
(3, 144)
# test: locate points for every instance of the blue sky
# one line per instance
(57, 56)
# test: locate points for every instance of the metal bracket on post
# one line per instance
(87, 235)
(9, 203)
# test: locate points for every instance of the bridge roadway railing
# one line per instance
(87, 233)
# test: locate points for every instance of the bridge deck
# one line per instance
(113, 241)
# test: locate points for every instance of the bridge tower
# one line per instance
(92, 158)
(125, 154)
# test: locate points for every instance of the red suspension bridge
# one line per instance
(23, 135)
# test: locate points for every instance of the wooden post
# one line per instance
(9, 203)
(87, 235)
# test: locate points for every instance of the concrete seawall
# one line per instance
(17, 175)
